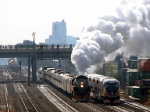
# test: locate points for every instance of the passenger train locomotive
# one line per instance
(76, 86)
(103, 88)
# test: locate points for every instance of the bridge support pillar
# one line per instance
(28, 69)
(34, 70)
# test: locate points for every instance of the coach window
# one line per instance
(97, 81)
(95, 88)
(89, 79)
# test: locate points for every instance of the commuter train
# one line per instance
(103, 88)
(40, 75)
(76, 86)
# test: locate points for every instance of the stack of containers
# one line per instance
(143, 67)
(132, 64)
(129, 76)
(135, 78)
(133, 91)
(144, 70)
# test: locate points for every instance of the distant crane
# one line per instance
(33, 35)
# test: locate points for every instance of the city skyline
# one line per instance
(20, 18)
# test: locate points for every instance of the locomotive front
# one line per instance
(81, 88)
(111, 91)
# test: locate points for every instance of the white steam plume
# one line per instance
(127, 30)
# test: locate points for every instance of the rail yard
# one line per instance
(16, 95)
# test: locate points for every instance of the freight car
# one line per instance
(76, 86)
(103, 88)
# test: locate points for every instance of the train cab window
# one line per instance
(117, 85)
(112, 85)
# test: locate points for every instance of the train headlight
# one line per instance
(82, 85)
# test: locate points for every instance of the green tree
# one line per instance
(110, 69)
(99, 69)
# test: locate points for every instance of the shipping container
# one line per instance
(138, 83)
(128, 90)
(144, 75)
(143, 64)
(131, 76)
(133, 91)
(132, 64)
(146, 83)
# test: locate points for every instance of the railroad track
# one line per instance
(91, 107)
(29, 106)
(120, 109)
(4, 105)
(57, 101)
(138, 106)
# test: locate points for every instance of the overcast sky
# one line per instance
(19, 18)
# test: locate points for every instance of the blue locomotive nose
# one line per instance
(112, 89)
(112, 92)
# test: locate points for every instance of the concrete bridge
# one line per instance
(37, 52)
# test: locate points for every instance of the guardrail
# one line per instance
(36, 46)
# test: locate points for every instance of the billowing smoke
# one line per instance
(127, 30)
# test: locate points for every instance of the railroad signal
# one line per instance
(41, 46)
(20, 63)
(57, 52)
(52, 46)
(71, 46)
(57, 46)
(59, 60)
(41, 54)
(59, 63)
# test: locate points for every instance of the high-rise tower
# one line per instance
(59, 34)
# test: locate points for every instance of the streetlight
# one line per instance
(33, 35)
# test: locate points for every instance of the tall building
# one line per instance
(59, 35)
